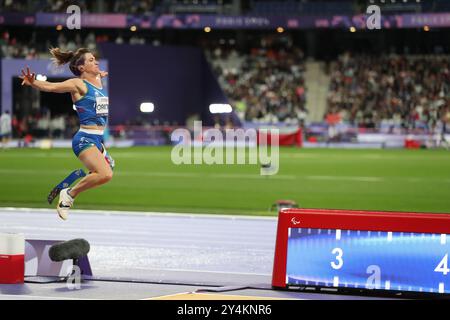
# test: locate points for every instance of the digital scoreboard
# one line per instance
(367, 251)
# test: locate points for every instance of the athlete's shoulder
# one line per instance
(77, 81)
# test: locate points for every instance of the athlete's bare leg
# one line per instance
(100, 171)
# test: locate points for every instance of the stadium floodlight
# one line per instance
(41, 77)
(220, 108)
(147, 107)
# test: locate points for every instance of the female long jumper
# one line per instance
(92, 105)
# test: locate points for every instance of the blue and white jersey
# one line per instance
(93, 107)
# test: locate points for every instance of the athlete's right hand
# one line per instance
(27, 78)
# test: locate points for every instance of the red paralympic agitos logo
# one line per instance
(294, 221)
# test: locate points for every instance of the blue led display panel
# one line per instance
(399, 261)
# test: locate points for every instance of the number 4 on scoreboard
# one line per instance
(443, 266)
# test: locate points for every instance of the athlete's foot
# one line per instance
(64, 204)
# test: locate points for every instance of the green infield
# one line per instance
(145, 179)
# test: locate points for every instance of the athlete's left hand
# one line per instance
(103, 74)
(28, 77)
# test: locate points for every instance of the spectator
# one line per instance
(264, 85)
(373, 90)
(5, 128)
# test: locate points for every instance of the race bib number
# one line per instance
(102, 106)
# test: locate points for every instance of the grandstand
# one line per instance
(263, 75)
(330, 106)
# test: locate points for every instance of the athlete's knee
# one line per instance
(108, 176)
(105, 177)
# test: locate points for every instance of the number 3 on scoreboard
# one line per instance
(338, 252)
(443, 266)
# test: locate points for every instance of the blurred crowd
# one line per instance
(43, 125)
(252, 7)
(388, 92)
(266, 84)
(12, 47)
(34, 47)
(132, 6)
(91, 6)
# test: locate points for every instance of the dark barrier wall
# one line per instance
(178, 80)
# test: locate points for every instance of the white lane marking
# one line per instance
(389, 236)
(336, 281)
(140, 246)
(224, 272)
(142, 213)
(227, 176)
(443, 239)
(338, 234)
(349, 178)
(387, 285)
(219, 272)
(154, 233)
(247, 176)
(155, 174)
(121, 152)
(441, 287)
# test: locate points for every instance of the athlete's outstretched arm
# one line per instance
(68, 86)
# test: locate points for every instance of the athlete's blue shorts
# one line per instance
(83, 140)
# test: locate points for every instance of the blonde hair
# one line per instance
(74, 58)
